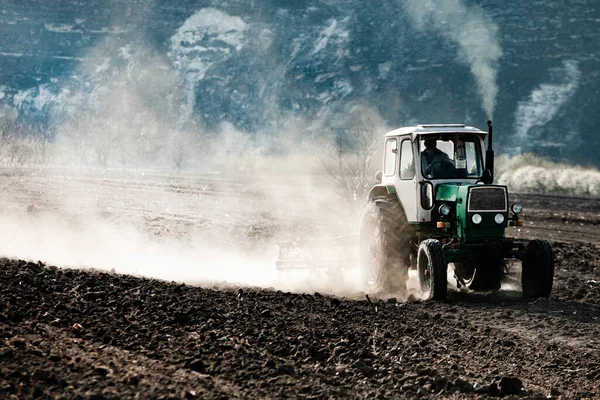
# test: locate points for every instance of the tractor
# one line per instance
(435, 203)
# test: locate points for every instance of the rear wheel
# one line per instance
(537, 269)
(432, 266)
(385, 247)
(480, 273)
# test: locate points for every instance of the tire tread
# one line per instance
(538, 269)
(439, 273)
(396, 234)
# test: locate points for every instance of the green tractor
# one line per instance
(434, 204)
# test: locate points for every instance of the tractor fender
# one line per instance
(388, 191)
(382, 191)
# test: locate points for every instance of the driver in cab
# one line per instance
(435, 163)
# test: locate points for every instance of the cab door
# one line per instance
(405, 179)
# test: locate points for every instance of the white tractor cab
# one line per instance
(455, 154)
(433, 204)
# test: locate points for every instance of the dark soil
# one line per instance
(81, 334)
(85, 334)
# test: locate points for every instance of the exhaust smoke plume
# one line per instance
(475, 34)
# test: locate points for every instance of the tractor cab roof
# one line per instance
(431, 129)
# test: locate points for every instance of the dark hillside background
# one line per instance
(256, 63)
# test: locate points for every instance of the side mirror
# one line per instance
(427, 195)
(486, 177)
(378, 177)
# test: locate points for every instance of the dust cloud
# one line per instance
(202, 229)
(107, 246)
(133, 181)
(127, 189)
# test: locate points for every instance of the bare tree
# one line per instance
(76, 136)
(182, 147)
(16, 143)
(150, 144)
(41, 134)
(91, 138)
(349, 157)
(8, 131)
(179, 154)
(19, 153)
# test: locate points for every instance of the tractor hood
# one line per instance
(450, 191)
(488, 203)
(457, 192)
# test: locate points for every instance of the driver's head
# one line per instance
(430, 143)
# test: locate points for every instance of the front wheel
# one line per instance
(537, 273)
(433, 270)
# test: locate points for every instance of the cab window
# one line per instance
(473, 164)
(407, 161)
(450, 156)
(391, 149)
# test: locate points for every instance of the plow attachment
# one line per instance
(312, 254)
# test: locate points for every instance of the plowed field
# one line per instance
(184, 302)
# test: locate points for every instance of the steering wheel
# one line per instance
(443, 161)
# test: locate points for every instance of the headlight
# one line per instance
(499, 218)
(476, 218)
(444, 209)
(517, 208)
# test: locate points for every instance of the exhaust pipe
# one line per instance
(489, 154)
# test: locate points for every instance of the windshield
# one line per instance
(450, 156)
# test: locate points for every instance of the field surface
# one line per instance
(183, 300)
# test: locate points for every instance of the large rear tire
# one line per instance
(537, 273)
(479, 273)
(433, 270)
(385, 240)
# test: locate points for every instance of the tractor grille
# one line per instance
(487, 199)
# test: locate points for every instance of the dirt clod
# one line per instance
(6, 352)
(510, 385)
(491, 389)
(197, 365)
(462, 385)
(101, 370)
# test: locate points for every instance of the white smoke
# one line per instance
(544, 103)
(472, 31)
